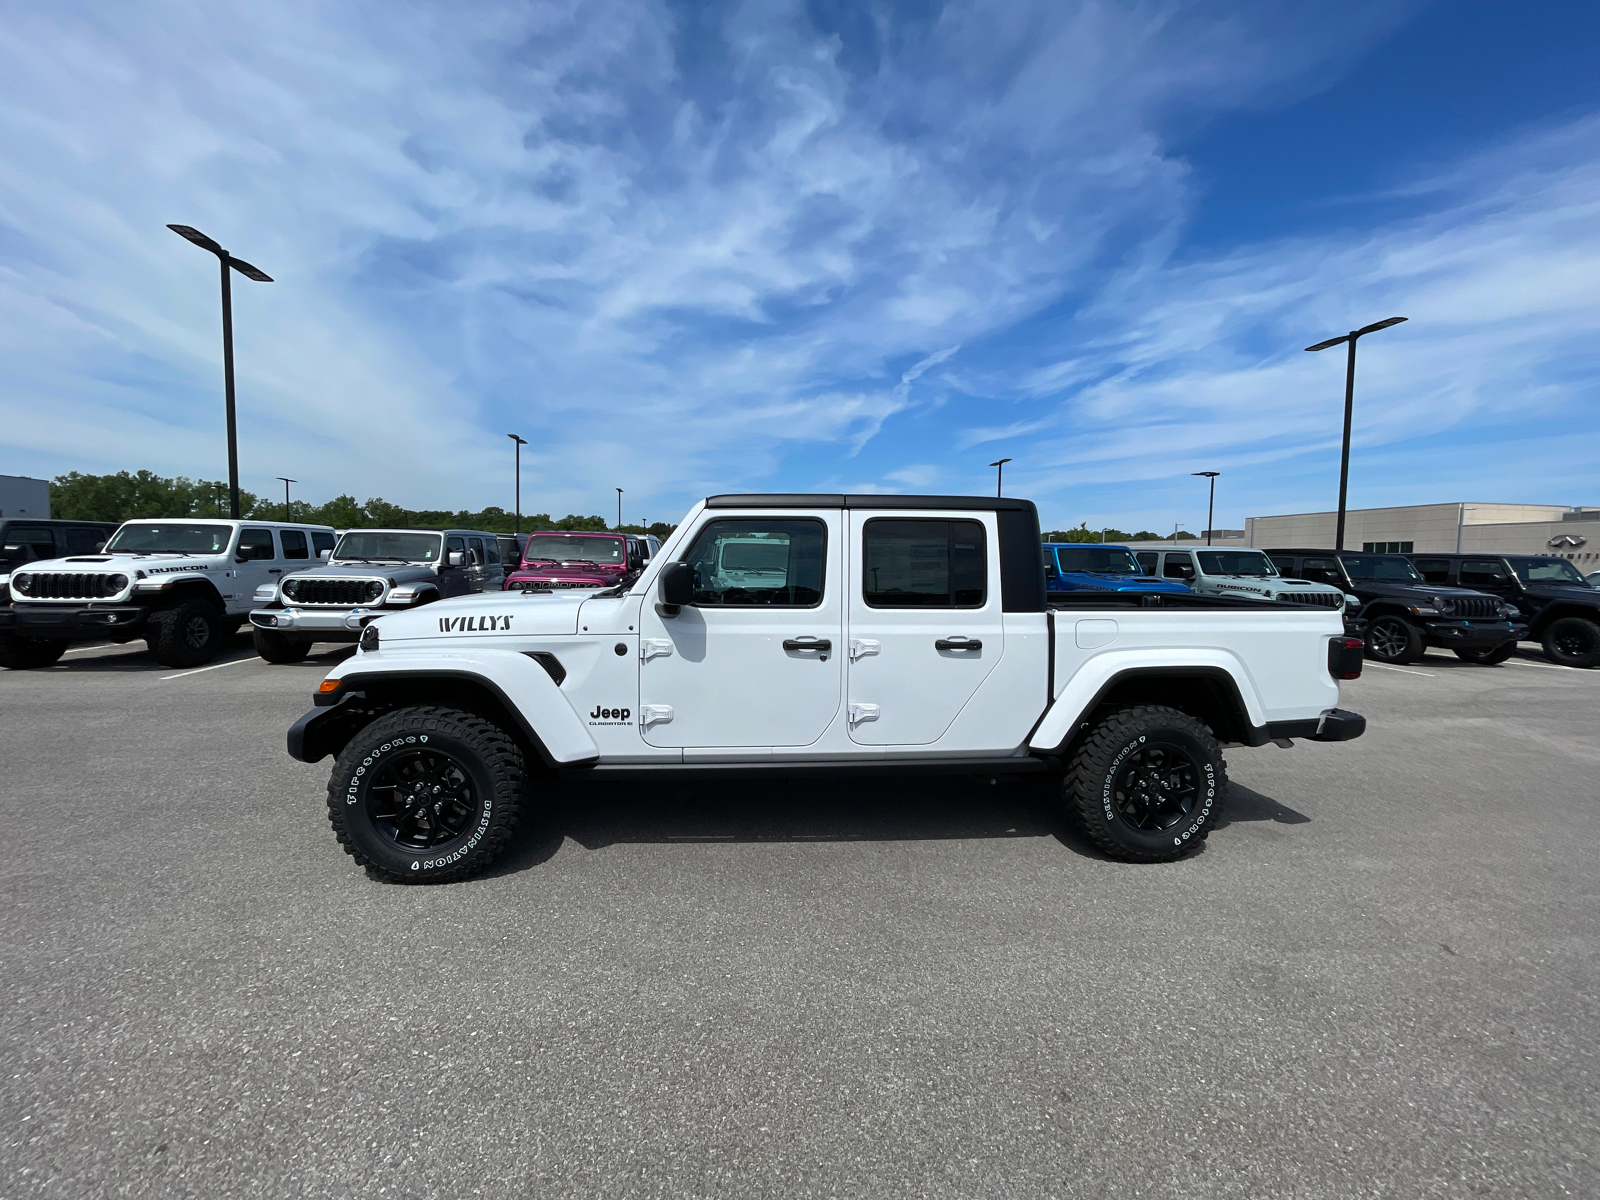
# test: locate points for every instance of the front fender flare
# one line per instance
(1096, 676)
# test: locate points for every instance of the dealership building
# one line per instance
(1570, 533)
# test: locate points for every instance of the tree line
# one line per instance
(125, 495)
(1084, 534)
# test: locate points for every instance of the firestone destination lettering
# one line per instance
(475, 624)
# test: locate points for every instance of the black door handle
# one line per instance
(963, 644)
(822, 644)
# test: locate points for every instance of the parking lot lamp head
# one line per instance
(999, 474)
(1349, 339)
(1211, 504)
(228, 264)
(520, 443)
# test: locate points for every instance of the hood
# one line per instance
(485, 615)
(1583, 593)
(399, 572)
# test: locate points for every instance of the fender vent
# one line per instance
(550, 663)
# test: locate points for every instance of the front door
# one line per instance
(755, 660)
(261, 565)
(925, 624)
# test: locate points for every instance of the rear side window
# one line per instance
(321, 542)
(925, 564)
(1434, 570)
(256, 543)
(773, 562)
(294, 543)
(83, 540)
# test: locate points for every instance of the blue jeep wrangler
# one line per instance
(1090, 567)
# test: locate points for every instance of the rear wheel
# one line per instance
(426, 795)
(26, 653)
(185, 635)
(1147, 784)
(1488, 657)
(1573, 642)
(1394, 640)
(276, 648)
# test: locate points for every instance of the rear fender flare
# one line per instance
(1097, 677)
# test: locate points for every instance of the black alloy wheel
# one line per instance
(1157, 787)
(1394, 640)
(422, 799)
(1573, 642)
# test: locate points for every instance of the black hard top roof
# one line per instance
(53, 521)
(1269, 550)
(1475, 554)
(840, 500)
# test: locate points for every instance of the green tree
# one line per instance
(125, 495)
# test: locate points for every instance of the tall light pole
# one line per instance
(619, 510)
(1211, 504)
(1349, 404)
(999, 474)
(238, 264)
(286, 483)
(521, 442)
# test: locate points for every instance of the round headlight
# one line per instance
(116, 583)
(291, 588)
(374, 590)
(22, 585)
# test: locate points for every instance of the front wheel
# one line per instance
(1488, 658)
(185, 635)
(1147, 784)
(27, 654)
(426, 795)
(1394, 640)
(1573, 642)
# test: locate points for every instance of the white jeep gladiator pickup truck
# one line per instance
(859, 633)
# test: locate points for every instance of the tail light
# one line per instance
(1344, 657)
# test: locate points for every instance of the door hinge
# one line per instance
(861, 647)
(654, 648)
(654, 714)
(861, 713)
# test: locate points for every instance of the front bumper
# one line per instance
(72, 622)
(1473, 635)
(316, 624)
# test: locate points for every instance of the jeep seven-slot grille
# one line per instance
(68, 585)
(333, 591)
(1472, 606)
(1325, 599)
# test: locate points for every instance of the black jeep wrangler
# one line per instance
(1562, 610)
(1406, 614)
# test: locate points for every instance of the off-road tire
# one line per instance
(1488, 658)
(1392, 639)
(489, 761)
(1573, 642)
(185, 635)
(1095, 792)
(276, 648)
(26, 654)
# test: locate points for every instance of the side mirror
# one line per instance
(100, 545)
(328, 553)
(456, 558)
(676, 587)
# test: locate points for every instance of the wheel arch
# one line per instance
(190, 589)
(1555, 612)
(1209, 692)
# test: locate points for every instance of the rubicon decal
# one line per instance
(475, 624)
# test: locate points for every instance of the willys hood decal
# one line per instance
(490, 614)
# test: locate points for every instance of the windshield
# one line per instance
(1381, 566)
(1545, 570)
(573, 547)
(770, 555)
(170, 538)
(374, 544)
(1097, 560)
(1236, 562)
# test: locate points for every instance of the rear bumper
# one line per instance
(316, 624)
(71, 622)
(1473, 635)
(1334, 725)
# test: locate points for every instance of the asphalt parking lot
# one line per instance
(1378, 978)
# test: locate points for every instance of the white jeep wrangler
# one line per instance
(843, 634)
(182, 585)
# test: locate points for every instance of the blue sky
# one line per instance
(687, 248)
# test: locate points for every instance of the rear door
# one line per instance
(924, 621)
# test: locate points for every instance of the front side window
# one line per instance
(294, 543)
(174, 537)
(321, 542)
(1546, 570)
(925, 564)
(1389, 567)
(476, 546)
(1097, 560)
(27, 544)
(1483, 572)
(1285, 565)
(1178, 566)
(379, 546)
(256, 543)
(491, 547)
(1236, 562)
(1147, 561)
(1434, 570)
(83, 540)
(1322, 570)
(772, 562)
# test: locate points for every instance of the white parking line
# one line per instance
(1517, 662)
(212, 667)
(1402, 670)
